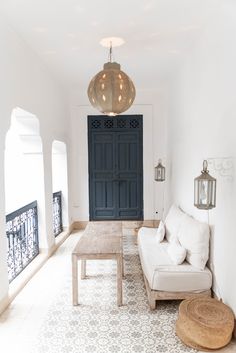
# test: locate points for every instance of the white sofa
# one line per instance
(164, 278)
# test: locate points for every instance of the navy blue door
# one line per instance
(115, 167)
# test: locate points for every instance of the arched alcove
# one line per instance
(60, 177)
(23, 160)
(24, 184)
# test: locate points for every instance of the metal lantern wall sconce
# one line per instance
(111, 91)
(160, 171)
(205, 190)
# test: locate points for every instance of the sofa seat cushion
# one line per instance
(163, 275)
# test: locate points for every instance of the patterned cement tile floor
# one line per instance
(43, 320)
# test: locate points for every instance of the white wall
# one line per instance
(202, 125)
(24, 175)
(25, 83)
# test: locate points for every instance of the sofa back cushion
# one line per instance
(160, 233)
(194, 237)
(172, 222)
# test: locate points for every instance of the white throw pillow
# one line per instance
(173, 221)
(194, 237)
(176, 252)
(160, 232)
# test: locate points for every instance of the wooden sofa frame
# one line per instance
(154, 295)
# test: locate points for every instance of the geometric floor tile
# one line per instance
(97, 325)
(42, 318)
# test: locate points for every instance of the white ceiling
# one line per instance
(66, 35)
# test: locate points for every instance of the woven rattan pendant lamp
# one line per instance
(111, 91)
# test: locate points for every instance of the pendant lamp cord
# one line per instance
(110, 52)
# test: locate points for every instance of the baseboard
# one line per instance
(71, 228)
(125, 224)
(4, 302)
(214, 295)
(77, 225)
(131, 224)
(153, 223)
(61, 238)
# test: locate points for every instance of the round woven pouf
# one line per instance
(204, 323)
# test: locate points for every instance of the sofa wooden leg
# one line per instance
(151, 297)
(152, 303)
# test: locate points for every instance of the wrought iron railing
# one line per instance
(22, 238)
(57, 213)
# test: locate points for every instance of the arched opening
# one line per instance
(24, 190)
(60, 187)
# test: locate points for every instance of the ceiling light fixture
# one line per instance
(111, 91)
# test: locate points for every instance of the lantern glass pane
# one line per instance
(214, 194)
(163, 173)
(196, 194)
(159, 173)
(203, 192)
(209, 193)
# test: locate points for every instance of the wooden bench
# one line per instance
(100, 241)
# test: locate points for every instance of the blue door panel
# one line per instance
(122, 194)
(103, 214)
(133, 194)
(129, 216)
(99, 192)
(133, 157)
(115, 167)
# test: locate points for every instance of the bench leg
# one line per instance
(83, 269)
(150, 295)
(119, 280)
(74, 280)
(123, 267)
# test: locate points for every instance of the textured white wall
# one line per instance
(25, 83)
(202, 125)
